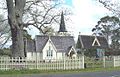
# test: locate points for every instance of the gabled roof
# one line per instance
(62, 43)
(87, 41)
(70, 49)
(95, 42)
(62, 24)
(50, 43)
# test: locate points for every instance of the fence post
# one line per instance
(83, 62)
(64, 63)
(36, 62)
(113, 61)
(104, 61)
(5, 62)
(118, 60)
(0, 63)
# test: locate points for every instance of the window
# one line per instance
(49, 52)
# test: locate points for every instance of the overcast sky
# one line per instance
(86, 15)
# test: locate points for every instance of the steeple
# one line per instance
(62, 24)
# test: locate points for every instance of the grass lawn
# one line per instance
(15, 72)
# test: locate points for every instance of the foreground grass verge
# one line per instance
(15, 72)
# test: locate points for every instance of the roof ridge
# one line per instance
(91, 35)
(52, 36)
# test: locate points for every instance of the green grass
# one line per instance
(20, 72)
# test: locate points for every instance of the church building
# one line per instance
(52, 47)
(92, 45)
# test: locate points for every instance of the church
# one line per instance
(92, 45)
(51, 47)
(62, 44)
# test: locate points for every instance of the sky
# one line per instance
(86, 14)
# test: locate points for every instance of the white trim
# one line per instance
(71, 50)
(52, 44)
(95, 40)
(81, 41)
(49, 40)
(45, 48)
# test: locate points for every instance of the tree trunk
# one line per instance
(17, 42)
(15, 14)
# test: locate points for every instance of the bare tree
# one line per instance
(23, 13)
(48, 30)
(4, 31)
(42, 13)
(112, 5)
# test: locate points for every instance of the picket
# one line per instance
(116, 61)
(66, 63)
(111, 61)
(18, 63)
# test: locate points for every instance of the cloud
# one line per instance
(86, 15)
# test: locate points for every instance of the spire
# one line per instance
(62, 24)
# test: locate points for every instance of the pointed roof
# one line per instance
(95, 42)
(62, 43)
(62, 24)
(88, 41)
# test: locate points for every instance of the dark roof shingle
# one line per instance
(62, 43)
(87, 41)
(30, 45)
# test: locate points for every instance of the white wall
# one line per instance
(43, 54)
(33, 55)
(60, 55)
(49, 44)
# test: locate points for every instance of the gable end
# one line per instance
(96, 42)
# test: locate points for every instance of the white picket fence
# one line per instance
(7, 63)
(116, 60)
(111, 61)
(106, 61)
